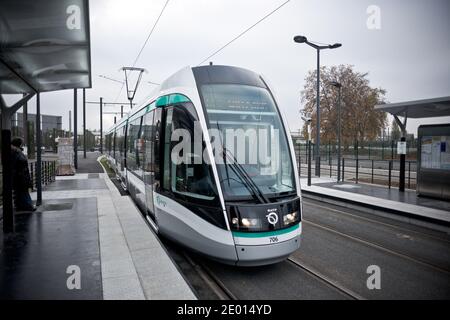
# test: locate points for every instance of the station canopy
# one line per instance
(44, 45)
(436, 107)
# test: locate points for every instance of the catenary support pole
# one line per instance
(38, 151)
(8, 214)
(317, 149)
(101, 125)
(84, 123)
(75, 129)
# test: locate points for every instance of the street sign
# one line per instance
(401, 147)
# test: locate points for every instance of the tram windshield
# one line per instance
(249, 142)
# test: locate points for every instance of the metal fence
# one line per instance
(359, 168)
(48, 171)
(378, 150)
(381, 172)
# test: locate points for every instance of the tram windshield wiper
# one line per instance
(248, 182)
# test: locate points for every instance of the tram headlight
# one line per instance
(247, 222)
(290, 218)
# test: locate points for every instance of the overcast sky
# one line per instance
(408, 56)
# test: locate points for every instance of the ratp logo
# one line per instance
(272, 218)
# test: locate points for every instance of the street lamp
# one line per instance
(339, 86)
(303, 39)
(307, 120)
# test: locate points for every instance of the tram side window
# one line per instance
(113, 151)
(189, 176)
(156, 146)
(132, 144)
(147, 136)
(151, 128)
(120, 144)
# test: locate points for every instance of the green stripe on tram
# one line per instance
(264, 234)
(171, 99)
(177, 98)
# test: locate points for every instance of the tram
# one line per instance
(209, 159)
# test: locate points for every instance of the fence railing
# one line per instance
(48, 171)
(381, 172)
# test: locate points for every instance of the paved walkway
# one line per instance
(377, 197)
(84, 221)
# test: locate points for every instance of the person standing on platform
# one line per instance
(21, 177)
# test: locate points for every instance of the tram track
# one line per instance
(214, 283)
(369, 220)
(378, 247)
(321, 277)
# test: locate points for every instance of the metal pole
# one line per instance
(409, 174)
(84, 123)
(101, 125)
(25, 123)
(8, 213)
(121, 111)
(75, 130)
(339, 136)
(390, 173)
(357, 161)
(309, 162)
(401, 184)
(38, 151)
(317, 155)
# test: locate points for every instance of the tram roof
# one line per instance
(45, 46)
(426, 108)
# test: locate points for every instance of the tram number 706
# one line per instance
(273, 239)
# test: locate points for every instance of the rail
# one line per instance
(380, 172)
(48, 174)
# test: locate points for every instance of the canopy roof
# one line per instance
(436, 107)
(44, 45)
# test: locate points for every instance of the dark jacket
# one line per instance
(20, 172)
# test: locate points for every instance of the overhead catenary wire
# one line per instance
(244, 32)
(145, 42)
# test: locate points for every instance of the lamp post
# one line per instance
(307, 120)
(339, 86)
(303, 39)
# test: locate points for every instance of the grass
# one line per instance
(108, 169)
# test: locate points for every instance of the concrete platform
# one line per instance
(84, 221)
(407, 204)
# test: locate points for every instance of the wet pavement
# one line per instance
(408, 196)
(38, 259)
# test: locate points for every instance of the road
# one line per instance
(338, 246)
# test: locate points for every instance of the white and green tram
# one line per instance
(233, 193)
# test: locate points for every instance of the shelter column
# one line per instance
(8, 214)
(38, 150)
(75, 129)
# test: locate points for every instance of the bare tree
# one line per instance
(360, 121)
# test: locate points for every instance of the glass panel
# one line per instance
(186, 173)
(191, 176)
(435, 152)
(252, 137)
(167, 135)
